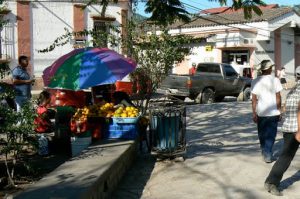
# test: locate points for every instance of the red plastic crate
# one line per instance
(124, 86)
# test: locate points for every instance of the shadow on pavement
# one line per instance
(135, 179)
(224, 127)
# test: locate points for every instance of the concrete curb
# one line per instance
(95, 173)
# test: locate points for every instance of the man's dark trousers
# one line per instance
(288, 152)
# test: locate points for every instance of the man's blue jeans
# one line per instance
(267, 131)
(20, 101)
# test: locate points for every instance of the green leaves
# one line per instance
(248, 6)
(99, 38)
(166, 12)
(155, 55)
(15, 130)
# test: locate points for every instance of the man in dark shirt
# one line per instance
(22, 82)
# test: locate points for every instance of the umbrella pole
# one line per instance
(93, 95)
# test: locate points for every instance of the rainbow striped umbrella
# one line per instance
(86, 67)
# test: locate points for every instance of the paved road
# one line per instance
(223, 161)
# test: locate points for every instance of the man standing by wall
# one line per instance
(266, 107)
(22, 82)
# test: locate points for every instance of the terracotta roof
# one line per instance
(214, 10)
(230, 10)
(232, 18)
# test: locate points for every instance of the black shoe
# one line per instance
(272, 189)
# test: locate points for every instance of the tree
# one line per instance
(155, 55)
(15, 127)
(103, 3)
(165, 12)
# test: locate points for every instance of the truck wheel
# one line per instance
(245, 95)
(219, 98)
(208, 96)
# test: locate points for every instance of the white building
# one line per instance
(225, 36)
(34, 25)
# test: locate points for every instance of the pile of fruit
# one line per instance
(128, 111)
(81, 114)
(106, 110)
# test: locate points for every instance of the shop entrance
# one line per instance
(238, 57)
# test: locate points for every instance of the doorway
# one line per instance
(237, 57)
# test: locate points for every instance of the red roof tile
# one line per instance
(227, 10)
(232, 18)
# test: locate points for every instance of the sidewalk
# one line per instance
(223, 161)
(93, 174)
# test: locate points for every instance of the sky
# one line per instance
(205, 4)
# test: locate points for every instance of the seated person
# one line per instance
(42, 122)
(121, 99)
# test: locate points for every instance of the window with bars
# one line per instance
(6, 42)
(102, 30)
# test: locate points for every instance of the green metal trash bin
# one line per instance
(167, 128)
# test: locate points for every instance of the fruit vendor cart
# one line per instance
(84, 68)
(113, 122)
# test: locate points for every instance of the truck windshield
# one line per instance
(229, 71)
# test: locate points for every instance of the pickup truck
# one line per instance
(211, 82)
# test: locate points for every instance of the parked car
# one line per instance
(211, 82)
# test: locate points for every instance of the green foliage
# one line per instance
(247, 5)
(103, 3)
(4, 69)
(155, 55)
(166, 12)
(7, 91)
(99, 38)
(16, 130)
(15, 127)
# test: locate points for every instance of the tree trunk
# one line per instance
(10, 178)
(104, 6)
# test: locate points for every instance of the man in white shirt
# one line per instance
(266, 107)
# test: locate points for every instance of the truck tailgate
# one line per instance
(175, 85)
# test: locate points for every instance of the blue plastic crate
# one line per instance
(125, 120)
(122, 131)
